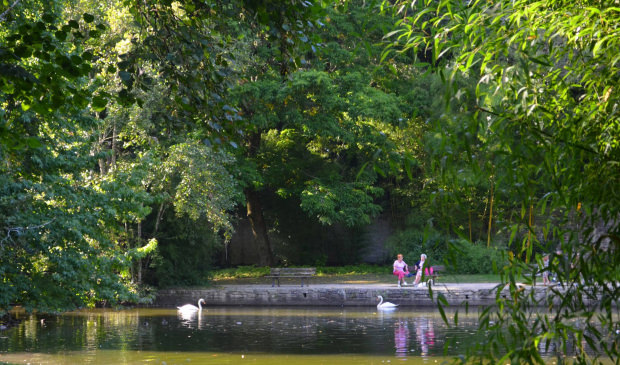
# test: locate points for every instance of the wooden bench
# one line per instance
(436, 270)
(290, 272)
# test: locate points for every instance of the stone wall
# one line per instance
(241, 249)
(328, 296)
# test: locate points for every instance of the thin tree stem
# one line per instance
(6, 12)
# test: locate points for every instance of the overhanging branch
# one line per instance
(20, 230)
(546, 134)
(6, 12)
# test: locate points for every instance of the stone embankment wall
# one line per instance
(329, 296)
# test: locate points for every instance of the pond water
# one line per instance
(233, 335)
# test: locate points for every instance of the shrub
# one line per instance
(460, 256)
(412, 243)
(473, 258)
(184, 254)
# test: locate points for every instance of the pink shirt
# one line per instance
(399, 265)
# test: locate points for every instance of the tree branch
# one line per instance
(547, 134)
(6, 12)
(19, 230)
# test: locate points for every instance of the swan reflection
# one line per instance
(191, 319)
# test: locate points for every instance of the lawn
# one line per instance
(362, 274)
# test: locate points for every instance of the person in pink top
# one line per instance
(400, 269)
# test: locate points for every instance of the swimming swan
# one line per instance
(192, 308)
(386, 305)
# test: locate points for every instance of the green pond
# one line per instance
(237, 335)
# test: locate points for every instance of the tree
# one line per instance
(197, 51)
(59, 247)
(546, 105)
(155, 127)
(82, 168)
(321, 137)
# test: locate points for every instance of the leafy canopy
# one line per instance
(545, 122)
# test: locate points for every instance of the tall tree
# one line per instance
(315, 134)
(285, 29)
(163, 134)
(198, 50)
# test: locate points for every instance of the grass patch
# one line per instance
(240, 272)
(256, 272)
(363, 269)
(351, 274)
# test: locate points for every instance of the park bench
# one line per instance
(290, 272)
(436, 270)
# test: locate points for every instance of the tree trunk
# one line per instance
(490, 214)
(259, 227)
(469, 217)
(160, 214)
(529, 236)
(113, 157)
(255, 210)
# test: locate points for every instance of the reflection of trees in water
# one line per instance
(572, 345)
(294, 331)
(80, 330)
(309, 331)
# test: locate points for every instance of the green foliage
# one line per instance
(461, 256)
(44, 64)
(81, 173)
(351, 204)
(201, 185)
(59, 250)
(474, 258)
(62, 246)
(185, 254)
(531, 102)
(318, 136)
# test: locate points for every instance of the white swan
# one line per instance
(192, 308)
(386, 305)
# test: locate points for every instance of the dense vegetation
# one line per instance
(542, 130)
(135, 137)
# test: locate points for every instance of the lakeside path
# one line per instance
(336, 294)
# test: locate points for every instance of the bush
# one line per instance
(460, 256)
(412, 243)
(184, 254)
(473, 258)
